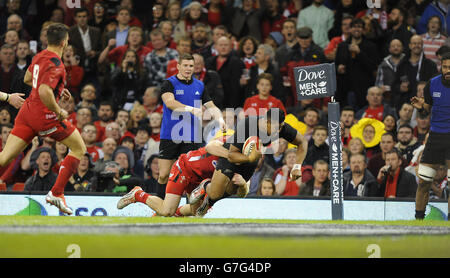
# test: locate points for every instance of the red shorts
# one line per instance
(30, 123)
(181, 179)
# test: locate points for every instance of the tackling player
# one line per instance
(191, 169)
(268, 128)
(41, 115)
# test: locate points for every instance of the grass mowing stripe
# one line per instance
(122, 246)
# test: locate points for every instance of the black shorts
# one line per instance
(437, 148)
(171, 151)
(246, 170)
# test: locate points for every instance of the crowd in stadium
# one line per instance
(120, 52)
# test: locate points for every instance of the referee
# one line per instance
(182, 96)
(437, 148)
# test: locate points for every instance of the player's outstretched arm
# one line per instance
(215, 147)
(217, 114)
(169, 100)
(302, 148)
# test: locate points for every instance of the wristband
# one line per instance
(188, 108)
(4, 96)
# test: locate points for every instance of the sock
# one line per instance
(420, 214)
(67, 169)
(141, 196)
(178, 213)
(161, 190)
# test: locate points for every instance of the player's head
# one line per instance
(58, 35)
(274, 118)
(445, 66)
(185, 65)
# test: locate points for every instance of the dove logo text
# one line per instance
(303, 75)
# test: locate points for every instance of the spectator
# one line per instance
(116, 55)
(112, 130)
(345, 160)
(183, 47)
(10, 74)
(12, 38)
(289, 33)
(15, 22)
(258, 105)
(211, 80)
(44, 178)
(356, 146)
(105, 116)
(407, 143)
(230, 70)
(156, 61)
(150, 100)
(318, 17)
(390, 124)
(433, 39)
(138, 116)
(81, 181)
(199, 38)
(376, 108)
(245, 20)
(264, 64)
(246, 51)
(405, 115)
(74, 72)
(319, 185)
(87, 40)
(211, 48)
(319, 150)
(359, 181)
(348, 120)
(377, 161)
(127, 179)
(369, 131)
(397, 28)
(9, 8)
(439, 187)
(5, 116)
(167, 28)
(157, 16)
(356, 62)
(99, 17)
(284, 185)
(123, 25)
(89, 134)
(61, 151)
(311, 119)
(88, 97)
(394, 180)
(343, 9)
(152, 171)
(8, 172)
(274, 157)
(108, 147)
(306, 52)
(129, 81)
(388, 67)
(173, 13)
(58, 15)
(262, 171)
(331, 49)
(123, 120)
(69, 106)
(439, 8)
(411, 71)
(422, 128)
(23, 55)
(84, 116)
(273, 18)
(192, 14)
(266, 188)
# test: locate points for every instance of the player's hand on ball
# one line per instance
(16, 100)
(254, 155)
(63, 114)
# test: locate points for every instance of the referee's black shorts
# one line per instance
(437, 148)
(246, 170)
(171, 151)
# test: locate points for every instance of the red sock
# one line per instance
(141, 197)
(178, 213)
(67, 169)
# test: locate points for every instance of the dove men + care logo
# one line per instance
(315, 81)
(336, 178)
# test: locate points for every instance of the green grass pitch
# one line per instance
(167, 246)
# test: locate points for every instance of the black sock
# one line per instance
(420, 214)
(161, 190)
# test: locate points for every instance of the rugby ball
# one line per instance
(250, 143)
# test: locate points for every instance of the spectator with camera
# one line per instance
(394, 180)
(81, 181)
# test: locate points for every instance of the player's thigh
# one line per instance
(219, 182)
(13, 147)
(75, 143)
(170, 204)
(164, 166)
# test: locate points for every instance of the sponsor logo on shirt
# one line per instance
(197, 93)
(436, 94)
(179, 92)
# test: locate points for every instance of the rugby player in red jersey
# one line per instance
(186, 174)
(41, 115)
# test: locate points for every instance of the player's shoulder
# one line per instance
(47, 58)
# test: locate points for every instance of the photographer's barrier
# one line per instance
(248, 208)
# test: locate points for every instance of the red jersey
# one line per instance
(46, 68)
(199, 162)
(116, 55)
(260, 106)
(95, 152)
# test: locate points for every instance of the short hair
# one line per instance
(319, 162)
(357, 21)
(402, 11)
(319, 127)
(185, 56)
(184, 38)
(106, 103)
(389, 134)
(199, 25)
(359, 154)
(81, 10)
(266, 76)
(445, 56)
(275, 114)
(312, 109)
(121, 8)
(348, 108)
(7, 46)
(156, 32)
(396, 151)
(347, 16)
(291, 20)
(145, 128)
(268, 50)
(56, 33)
(221, 27)
(406, 126)
(89, 124)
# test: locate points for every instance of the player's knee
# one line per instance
(167, 212)
(426, 174)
